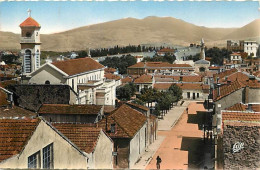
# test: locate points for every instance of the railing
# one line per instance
(27, 40)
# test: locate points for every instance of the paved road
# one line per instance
(166, 124)
(181, 147)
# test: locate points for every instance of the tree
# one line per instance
(176, 91)
(10, 58)
(126, 92)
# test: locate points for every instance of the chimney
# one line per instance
(181, 78)
(249, 108)
(218, 88)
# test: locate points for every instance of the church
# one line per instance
(202, 65)
(84, 75)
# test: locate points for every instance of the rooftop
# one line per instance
(30, 22)
(84, 136)
(112, 76)
(144, 79)
(240, 116)
(14, 135)
(16, 111)
(76, 66)
(69, 109)
(127, 122)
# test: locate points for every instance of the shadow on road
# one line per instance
(195, 148)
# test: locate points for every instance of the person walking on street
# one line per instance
(158, 162)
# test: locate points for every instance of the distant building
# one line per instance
(235, 58)
(250, 47)
(158, 68)
(165, 51)
(235, 46)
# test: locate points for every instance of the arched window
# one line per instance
(202, 69)
(28, 61)
(28, 34)
(47, 82)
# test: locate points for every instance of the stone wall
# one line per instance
(249, 156)
(31, 97)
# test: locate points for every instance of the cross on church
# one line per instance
(29, 12)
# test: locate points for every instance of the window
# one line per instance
(188, 95)
(198, 95)
(113, 128)
(34, 161)
(73, 84)
(47, 82)
(47, 157)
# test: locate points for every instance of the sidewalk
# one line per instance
(172, 117)
(165, 124)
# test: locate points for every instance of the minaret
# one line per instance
(30, 44)
(202, 50)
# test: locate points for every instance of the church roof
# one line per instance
(202, 62)
(30, 22)
(76, 66)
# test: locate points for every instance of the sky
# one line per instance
(56, 16)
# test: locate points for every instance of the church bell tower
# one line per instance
(30, 44)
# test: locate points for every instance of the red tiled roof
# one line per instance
(109, 108)
(138, 106)
(192, 86)
(127, 122)
(237, 107)
(4, 84)
(126, 80)
(166, 50)
(69, 109)
(183, 86)
(257, 74)
(110, 70)
(30, 22)
(16, 111)
(227, 89)
(244, 107)
(14, 135)
(3, 99)
(184, 78)
(137, 65)
(225, 73)
(82, 135)
(251, 83)
(162, 86)
(158, 65)
(235, 54)
(76, 66)
(181, 65)
(240, 116)
(7, 75)
(235, 76)
(214, 67)
(112, 76)
(144, 79)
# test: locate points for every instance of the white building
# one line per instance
(84, 75)
(250, 47)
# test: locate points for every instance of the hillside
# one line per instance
(134, 31)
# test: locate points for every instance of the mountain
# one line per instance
(135, 31)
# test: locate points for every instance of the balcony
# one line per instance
(27, 40)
